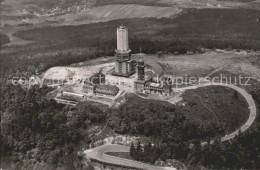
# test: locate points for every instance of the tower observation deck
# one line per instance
(123, 64)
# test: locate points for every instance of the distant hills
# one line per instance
(15, 12)
(29, 13)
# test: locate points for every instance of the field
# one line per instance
(110, 12)
(178, 3)
(140, 2)
(211, 64)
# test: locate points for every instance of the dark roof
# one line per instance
(107, 87)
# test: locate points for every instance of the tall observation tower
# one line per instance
(123, 65)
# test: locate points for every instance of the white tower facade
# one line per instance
(122, 39)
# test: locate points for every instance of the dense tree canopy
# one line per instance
(34, 129)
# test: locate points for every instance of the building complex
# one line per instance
(125, 67)
(126, 75)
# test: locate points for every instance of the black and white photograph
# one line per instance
(129, 84)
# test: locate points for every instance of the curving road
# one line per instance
(99, 153)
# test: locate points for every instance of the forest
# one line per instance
(37, 133)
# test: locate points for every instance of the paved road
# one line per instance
(99, 154)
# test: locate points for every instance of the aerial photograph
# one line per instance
(129, 84)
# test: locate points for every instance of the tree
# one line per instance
(147, 154)
(139, 152)
(132, 150)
